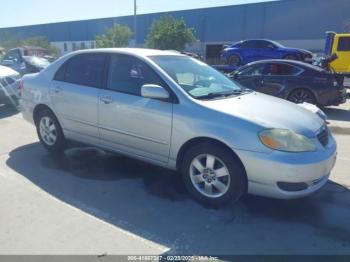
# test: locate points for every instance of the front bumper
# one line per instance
(266, 172)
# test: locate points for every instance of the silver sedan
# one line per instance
(177, 112)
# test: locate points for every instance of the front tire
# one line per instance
(213, 175)
(50, 132)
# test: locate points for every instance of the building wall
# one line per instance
(301, 23)
(69, 46)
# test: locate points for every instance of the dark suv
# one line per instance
(19, 60)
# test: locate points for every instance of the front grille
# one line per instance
(323, 136)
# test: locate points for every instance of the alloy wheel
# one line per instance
(209, 175)
(48, 131)
(300, 96)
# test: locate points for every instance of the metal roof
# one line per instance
(279, 20)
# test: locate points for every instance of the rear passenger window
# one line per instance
(344, 44)
(84, 69)
(128, 74)
(60, 74)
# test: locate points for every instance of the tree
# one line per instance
(41, 41)
(9, 40)
(116, 36)
(169, 33)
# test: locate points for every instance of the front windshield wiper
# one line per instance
(222, 94)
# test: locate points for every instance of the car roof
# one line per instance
(257, 39)
(285, 61)
(130, 51)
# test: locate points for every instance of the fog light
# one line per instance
(292, 187)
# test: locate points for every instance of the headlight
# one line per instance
(286, 140)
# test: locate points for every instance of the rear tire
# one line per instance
(213, 175)
(234, 60)
(301, 95)
(50, 132)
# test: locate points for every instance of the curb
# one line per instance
(340, 130)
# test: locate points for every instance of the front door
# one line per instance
(251, 76)
(129, 122)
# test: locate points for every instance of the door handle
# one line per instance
(107, 100)
(57, 89)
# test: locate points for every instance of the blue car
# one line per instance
(247, 51)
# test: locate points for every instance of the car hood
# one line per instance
(269, 112)
(7, 71)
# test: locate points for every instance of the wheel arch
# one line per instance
(198, 140)
(39, 108)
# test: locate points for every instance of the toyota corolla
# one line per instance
(177, 112)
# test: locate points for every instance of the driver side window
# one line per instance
(128, 74)
(256, 70)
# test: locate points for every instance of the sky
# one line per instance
(29, 12)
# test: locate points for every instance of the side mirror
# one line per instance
(154, 91)
(8, 63)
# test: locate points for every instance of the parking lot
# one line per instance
(89, 202)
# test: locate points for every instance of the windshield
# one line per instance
(197, 78)
(38, 61)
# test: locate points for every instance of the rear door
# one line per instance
(74, 93)
(128, 122)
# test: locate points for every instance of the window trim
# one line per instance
(256, 65)
(173, 97)
(339, 39)
(65, 64)
(301, 70)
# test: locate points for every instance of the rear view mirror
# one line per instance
(154, 91)
(8, 63)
